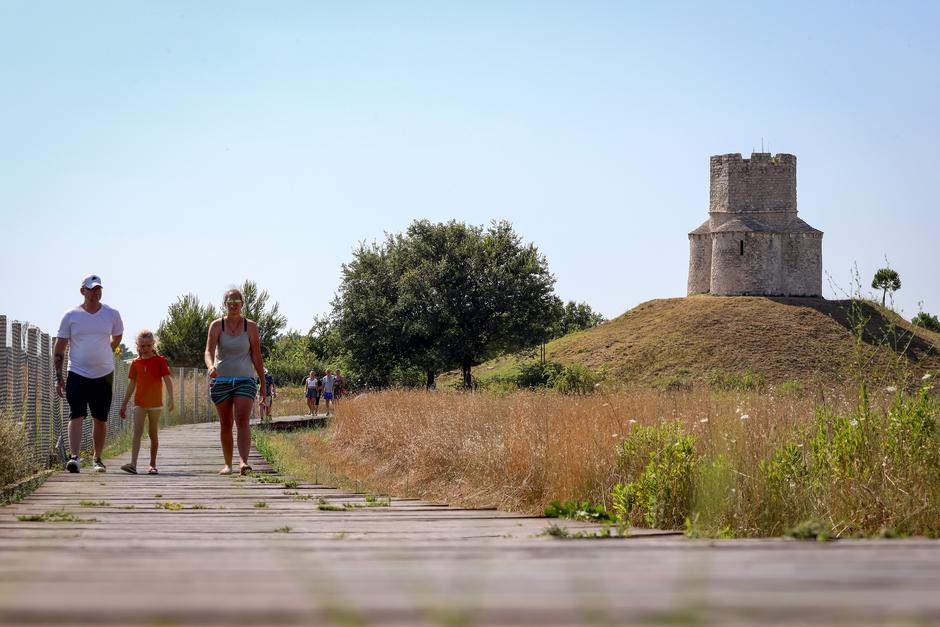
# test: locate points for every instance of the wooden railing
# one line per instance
(28, 394)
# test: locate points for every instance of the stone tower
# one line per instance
(753, 242)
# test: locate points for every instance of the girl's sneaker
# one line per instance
(73, 465)
(98, 466)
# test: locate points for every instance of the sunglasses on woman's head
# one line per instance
(233, 302)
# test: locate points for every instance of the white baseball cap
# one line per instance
(90, 281)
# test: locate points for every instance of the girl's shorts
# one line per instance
(224, 388)
(311, 393)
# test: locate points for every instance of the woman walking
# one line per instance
(233, 357)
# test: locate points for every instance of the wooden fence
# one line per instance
(28, 394)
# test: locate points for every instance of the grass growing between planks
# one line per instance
(729, 464)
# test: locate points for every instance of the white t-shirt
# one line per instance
(89, 337)
(328, 383)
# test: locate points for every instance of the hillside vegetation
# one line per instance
(682, 341)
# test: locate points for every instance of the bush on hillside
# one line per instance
(576, 379)
(927, 321)
(14, 451)
(537, 374)
(747, 381)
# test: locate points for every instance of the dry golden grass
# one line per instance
(520, 451)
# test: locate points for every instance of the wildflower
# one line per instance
(704, 420)
(926, 377)
(613, 435)
(745, 417)
(853, 422)
(632, 421)
(606, 405)
(892, 388)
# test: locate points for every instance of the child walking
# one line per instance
(146, 375)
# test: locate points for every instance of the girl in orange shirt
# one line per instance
(146, 374)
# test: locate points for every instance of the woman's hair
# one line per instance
(146, 334)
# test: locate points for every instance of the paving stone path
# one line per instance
(220, 560)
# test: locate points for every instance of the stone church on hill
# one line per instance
(753, 242)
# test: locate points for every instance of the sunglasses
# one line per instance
(233, 301)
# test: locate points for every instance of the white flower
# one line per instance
(613, 435)
(745, 416)
(606, 405)
(892, 388)
(632, 421)
(704, 420)
(925, 377)
(854, 423)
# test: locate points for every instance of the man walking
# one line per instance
(91, 331)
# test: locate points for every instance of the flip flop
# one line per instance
(152, 471)
(129, 468)
(245, 469)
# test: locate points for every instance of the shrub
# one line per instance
(927, 321)
(538, 375)
(747, 381)
(576, 379)
(15, 452)
(661, 494)
(791, 388)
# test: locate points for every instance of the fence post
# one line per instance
(182, 403)
(17, 361)
(32, 388)
(4, 366)
(45, 394)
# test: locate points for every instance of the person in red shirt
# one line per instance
(147, 375)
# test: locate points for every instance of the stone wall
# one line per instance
(700, 263)
(761, 183)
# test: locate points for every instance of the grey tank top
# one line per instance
(233, 354)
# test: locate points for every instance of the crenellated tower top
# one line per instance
(764, 183)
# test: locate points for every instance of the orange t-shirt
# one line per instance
(149, 375)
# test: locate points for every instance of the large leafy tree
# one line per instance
(270, 321)
(443, 295)
(886, 280)
(182, 335)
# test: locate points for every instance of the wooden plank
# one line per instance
(412, 562)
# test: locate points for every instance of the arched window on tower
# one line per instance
(742, 246)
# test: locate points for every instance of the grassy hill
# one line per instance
(681, 341)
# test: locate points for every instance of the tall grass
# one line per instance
(741, 463)
(16, 456)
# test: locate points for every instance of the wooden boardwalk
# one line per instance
(221, 561)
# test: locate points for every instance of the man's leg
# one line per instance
(99, 434)
(75, 435)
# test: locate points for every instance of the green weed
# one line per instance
(54, 516)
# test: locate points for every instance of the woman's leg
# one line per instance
(243, 406)
(139, 413)
(153, 426)
(226, 419)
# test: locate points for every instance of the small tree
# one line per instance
(886, 280)
(927, 321)
(270, 321)
(182, 336)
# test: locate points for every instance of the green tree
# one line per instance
(126, 353)
(886, 280)
(577, 317)
(443, 295)
(270, 321)
(182, 335)
(927, 321)
(292, 358)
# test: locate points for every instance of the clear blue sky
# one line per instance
(177, 146)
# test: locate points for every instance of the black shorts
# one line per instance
(83, 393)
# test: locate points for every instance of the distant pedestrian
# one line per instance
(312, 393)
(270, 391)
(233, 357)
(147, 376)
(329, 383)
(339, 387)
(91, 332)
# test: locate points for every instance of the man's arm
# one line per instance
(58, 351)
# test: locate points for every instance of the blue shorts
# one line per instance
(328, 396)
(224, 388)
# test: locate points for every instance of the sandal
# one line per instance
(129, 468)
(153, 471)
(245, 469)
